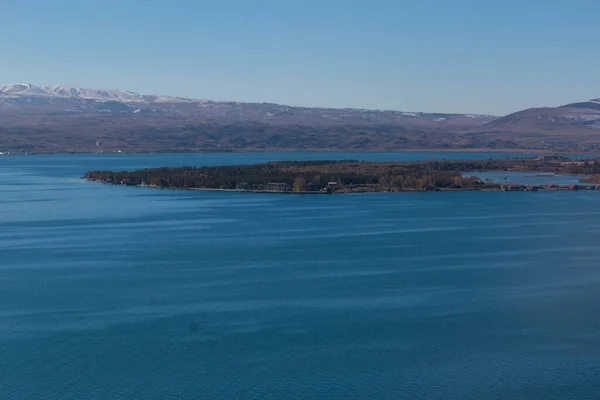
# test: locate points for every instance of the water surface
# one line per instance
(529, 178)
(115, 292)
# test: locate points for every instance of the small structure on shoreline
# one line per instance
(278, 187)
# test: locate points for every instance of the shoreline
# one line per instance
(517, 188)
(316, 151)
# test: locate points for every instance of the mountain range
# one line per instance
(73, 119)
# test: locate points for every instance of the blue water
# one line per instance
(82, 163)
(112, 292)
(529, 178)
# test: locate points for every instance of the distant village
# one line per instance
(299, 186)
(334, 187)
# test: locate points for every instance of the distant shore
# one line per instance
(277, 150)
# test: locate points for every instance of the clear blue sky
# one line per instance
(483, 56)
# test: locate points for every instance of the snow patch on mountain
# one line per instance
(93, 100)
(93, 94)
(73, 92)
(582, 118)
(479, 116)
(21, 89)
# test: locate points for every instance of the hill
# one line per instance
(74, 119)
(573, 126)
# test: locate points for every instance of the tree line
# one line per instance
(302, 174)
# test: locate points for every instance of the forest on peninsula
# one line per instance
(344, 175)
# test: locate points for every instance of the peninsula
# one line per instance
(348, 176)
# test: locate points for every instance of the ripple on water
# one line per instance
(118, 293)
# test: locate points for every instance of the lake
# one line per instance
(113, 292)
(530, 178)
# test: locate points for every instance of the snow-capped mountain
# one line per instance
(69, 118)
(17, 90)
(93, 94)
(23, 97)
(22, 89)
